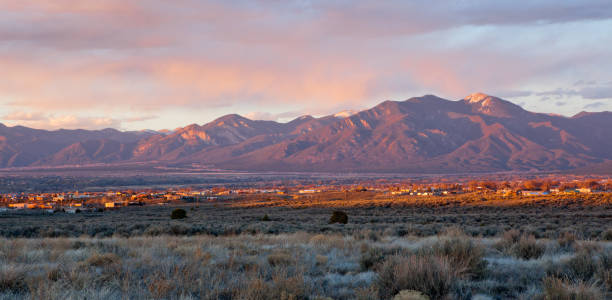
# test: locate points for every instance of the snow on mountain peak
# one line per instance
(345, 113)
(477, 98)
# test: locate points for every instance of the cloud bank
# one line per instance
(189, 61)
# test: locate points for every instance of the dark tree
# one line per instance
(178, 213)
(338, 217)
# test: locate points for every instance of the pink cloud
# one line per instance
(62, 122)
(139, 58)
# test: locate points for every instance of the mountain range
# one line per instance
(428, 134)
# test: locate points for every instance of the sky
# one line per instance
(158, 64)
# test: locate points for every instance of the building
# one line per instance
(309, 191)
(534, 193)
(22, 205)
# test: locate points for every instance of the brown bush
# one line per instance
(55, 274)
(466, 257)
(567, 240)
(604, 274)
(410, 295)
(280, 258)
(520, 245)
(430, 275)
(338, 217)
(13, 280)
(101, 260)
(370, 258)
(509, 238)
(558, 289)
(528, 248)
(582, 266)
(257, 289)
(160, 288)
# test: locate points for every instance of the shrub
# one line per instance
(466, 257)
(279, 259)
(410, 295)
(13, 279)
(555, 288)
(178, 213)
(520, 245)
(567, 240)
(430, 275)
(370, 258)
(528, 248)
(604, 274)
(54, 274)
(607, 235)
(508, 239)
(321, 260)
(338, 217)
(265, 218)
(101, 260)
(582, 266)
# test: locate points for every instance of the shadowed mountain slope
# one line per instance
(479, 133)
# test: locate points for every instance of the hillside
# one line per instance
(428, 134)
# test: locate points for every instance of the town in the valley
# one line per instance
(111, 199)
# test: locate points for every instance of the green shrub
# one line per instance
(266, 218)
(178, 213)
(338, 217)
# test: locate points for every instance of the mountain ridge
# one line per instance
(429, 134)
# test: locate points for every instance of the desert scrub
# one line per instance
(430, 275)
(555, 288)
(280, 258)
(102, 260)
(567, 240)
(410, 295)
(582, 266)
(370, 257)
(13, 279)
(520, 245)
(465, 256)
(282, 266)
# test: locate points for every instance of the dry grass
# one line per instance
(294, 266)
(522, 246)
(430, 275)
(558, 289)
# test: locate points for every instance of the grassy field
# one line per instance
(463, 247)
(301, 265)
(487, 216)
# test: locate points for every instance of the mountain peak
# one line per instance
(345, 113)
(492, 105)
(477, 98)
